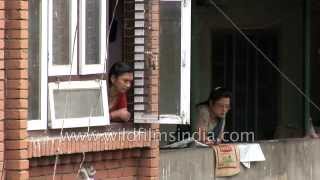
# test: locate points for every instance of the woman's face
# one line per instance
(221, 107)
(123, 82)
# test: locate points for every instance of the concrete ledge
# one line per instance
(187, 164)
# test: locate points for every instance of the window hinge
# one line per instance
(183, 64)
(185, 4)
(183, 115)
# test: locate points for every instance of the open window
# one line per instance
(78, 104)
(174, 61)
(67, 51)
(263, 101)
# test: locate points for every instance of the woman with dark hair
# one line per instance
(211, 115)
(120, 79)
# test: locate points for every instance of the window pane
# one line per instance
(170, 55)
(34, 59)
(76, 103)
(61, 26)
(92, 32)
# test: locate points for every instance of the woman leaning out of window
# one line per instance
(120, 79)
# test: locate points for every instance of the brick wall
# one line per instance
(2, 18)
(120, 164)
(153, 30)
(16, 88)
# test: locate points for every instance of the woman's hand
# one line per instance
(120, 115)
(124, 114)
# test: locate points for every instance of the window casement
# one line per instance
(62, 37)
(93, 54)
(67, 38)
(78, 104)
(174, 61)
(38, 77)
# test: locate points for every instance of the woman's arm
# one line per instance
(120, 115)
(201, 125)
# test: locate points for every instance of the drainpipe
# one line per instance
(307, 44)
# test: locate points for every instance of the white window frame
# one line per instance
(47, 68)
(39, 124)
(100, 67)
(184, 116)
(83, 121)
(70, 69)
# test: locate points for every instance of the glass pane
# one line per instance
(170, 55)
(61, 27)
(34, 60)
(92, 32)
(76, 103)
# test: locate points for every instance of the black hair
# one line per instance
(118, 69)
(216, 94)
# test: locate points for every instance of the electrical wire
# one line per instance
(286, 77)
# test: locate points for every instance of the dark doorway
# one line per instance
(252, 80)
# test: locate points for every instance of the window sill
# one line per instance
(80, 141)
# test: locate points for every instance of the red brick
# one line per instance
(1, 137)
(115, 173)
(16, 103)
(1, 41)
(17, 94)
(17, 154)
(69, 176)
(2, 24)
(2, 14)
(1, 124)
(136, 153)
(129, 171)
(151, 153)
(1, 112)
(113, 164)
(117, 155)
(130, 162)
(17, 84)
(63, 169)
(16, 4)
(16, 24)
(16, 54)
(148, 178)
(17, 164)
(1, 157)
(16, 34)
(151, 162)
(2, 5)
(16, 44)
(16, 124)
(23, 175)
(153, 172)
(16, 64)
(16, 144)
(37, 171)
(16, 114)
(16, 134)
(16, 14)
(101, 174)
(1, 60)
